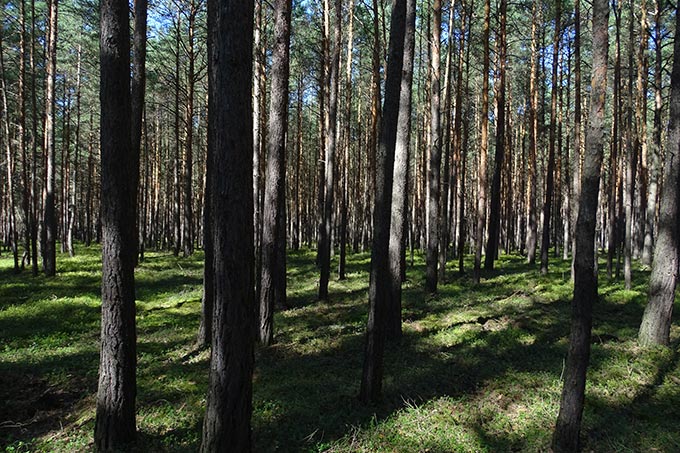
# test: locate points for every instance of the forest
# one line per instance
(342, 226)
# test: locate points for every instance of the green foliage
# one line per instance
(478, 368)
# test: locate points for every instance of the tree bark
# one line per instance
(495, 211)
(566, 435)
(325, 242)
(115, 420)
(656, 150)
(656, 321)
(434, 161)
(379, 287)
(397, 243)
(550, 174)
(483, 148)
(532, 232)
(273, 286)
(49, 229)
(226, 425)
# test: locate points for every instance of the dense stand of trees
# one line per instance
(426, 134)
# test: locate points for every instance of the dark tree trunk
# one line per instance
(397, 243)
(273, 286)
(483, 148)
(325, 240)
(226, 425)
(656, 151)
(532, 232)
(342, 264)
(115, 421)
(434, 161)
(380, 288)
(495, 211)
(138, 86)
(188, 223)
(656, 321)
(49, 230)
(550, 174)
(566, 435)
(576, 160)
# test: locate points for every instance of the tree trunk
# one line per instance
(566, 435)
(483, 148)
(325, 242)
(656, 321)
(342, 264)
(49, 220)
(495, 212)
(380, 288)
(576, 160)
(138, 87)
(188, 236)
(550, 174)
(9, 153)
(226, 426)
(273, 287)
(435, 155)
(656, 151)
(115, 420)
(397, 243)
(532, 232)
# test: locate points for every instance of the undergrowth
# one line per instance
(478, 367)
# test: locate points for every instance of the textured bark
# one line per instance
(273, 285)
(576, 159)
(434, 161)
(656, 149)
(138, 88)
(483, 148)
(656, 321)
(21, 131)
(379, 287)
(342, 262)
(34, 148)
(115, 420)
(49, 230)
(188, 211)
(226, 425)
(532, 232)
(495, 211)
(550, 174)
(566, 435)
(325, 242)
(397, 243)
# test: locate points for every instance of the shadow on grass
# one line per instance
(456, 344)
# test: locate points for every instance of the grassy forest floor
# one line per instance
(478, 368)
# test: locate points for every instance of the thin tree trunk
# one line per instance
(331, 145)
(435, 153)
(533, 136)
(550, 174)
(380, 287)
(346, 144)
(495, 211)
(399, 209)
(273, 287)
(566, 435)
(576, 159)
(138, 86)
(49, 220)
(188, 236)
(483, 148)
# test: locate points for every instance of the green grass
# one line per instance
(478, 368)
